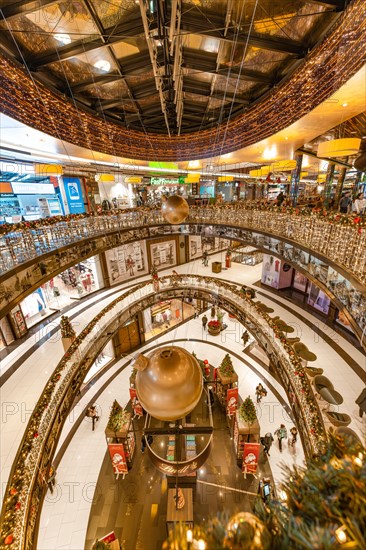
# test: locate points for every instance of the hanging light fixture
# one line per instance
(344, 147)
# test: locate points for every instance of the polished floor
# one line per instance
(81, 453)
(136, 508)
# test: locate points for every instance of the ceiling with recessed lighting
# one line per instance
(165, 66)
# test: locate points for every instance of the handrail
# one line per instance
(27, 485)
(340, 238)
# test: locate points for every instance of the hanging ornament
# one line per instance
(245, 530)
(175, 209)
(168, 382)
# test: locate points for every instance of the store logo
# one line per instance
(73, 190)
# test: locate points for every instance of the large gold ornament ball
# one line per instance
(245, 530)
(175, 209)
(170, 384)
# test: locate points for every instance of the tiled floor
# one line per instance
(65, 515)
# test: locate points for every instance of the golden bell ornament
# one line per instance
(175, 209)
(245, 530)
(168, 382)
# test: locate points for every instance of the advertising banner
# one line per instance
(117, 454)
(136, 405)
(74, 195)
(250, 457)
(232, 401)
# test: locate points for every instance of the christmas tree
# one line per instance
(322, 507)
(247, 411)
(67, 330)
(226, 368)
(117, 417)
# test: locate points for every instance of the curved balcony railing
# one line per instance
(340, 239)
(27, 483)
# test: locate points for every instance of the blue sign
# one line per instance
(74, 195)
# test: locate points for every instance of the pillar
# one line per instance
(339, 188)
(295, 179)
(328, 183)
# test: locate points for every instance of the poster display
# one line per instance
(163, 254)
(250, 457)
(276, 273)
(128, 260)
(318, 299)
(18, 322)
(300, 281)
(232, 401)
(136, 405)
(74, 195)
(118, 458)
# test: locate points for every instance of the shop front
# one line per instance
(61, 291)
(165, 315)
(126, 261)
(23, 201)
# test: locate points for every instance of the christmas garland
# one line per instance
(333, 217)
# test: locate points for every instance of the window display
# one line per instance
(165, 315)
(276, 273)
(163, 254)
(300, 281)
(59, 292)
(128, 260)
(318, 299)
(18, 322)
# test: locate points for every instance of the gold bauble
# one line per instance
(168, 382)
(245, 530)
(175, 209)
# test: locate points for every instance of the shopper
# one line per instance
(260, 392)
(267, 441)
(293, 439)
(345, 203)
(205, 258)
(359, 204)
(280, 198)
(245, 338)
(204, 322)
(91, 412)
(281, 433)
(213, 312)
(143, 443)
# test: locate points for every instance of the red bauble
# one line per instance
(9, 539)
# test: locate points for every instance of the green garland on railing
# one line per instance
(333, 217)
(12, 505)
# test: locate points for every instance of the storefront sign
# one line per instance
(33, 188)
(232, 401)
(168, 181)
(74, 195)
(109, 538)
(48, 169)
(250, 457)
(180, 468)
(133, 179)
(117, 454)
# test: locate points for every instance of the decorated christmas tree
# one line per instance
(226, 368)
(117, 417)
(67, 330)
(247, 411)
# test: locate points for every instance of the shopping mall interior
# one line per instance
(183, 274)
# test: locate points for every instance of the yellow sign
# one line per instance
(225, 178)
(105, 178)
(133, 179)
(48, 169)
(283, 166)
(192, 178)
(264, 171)
(339, 147)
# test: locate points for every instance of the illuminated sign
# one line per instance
(168, 181)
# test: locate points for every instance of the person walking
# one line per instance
(267, 441)
(204, 322)
(260, 392)
(345, 203)
(281, 433)
(293, 439)
(205, 258)
(91, 412)
(358, 205)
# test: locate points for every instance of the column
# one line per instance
(328, 183)
(295, 179)
(339, 188)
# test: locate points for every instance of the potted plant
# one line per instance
(68, 333)
(101, 545)
(214, 327)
